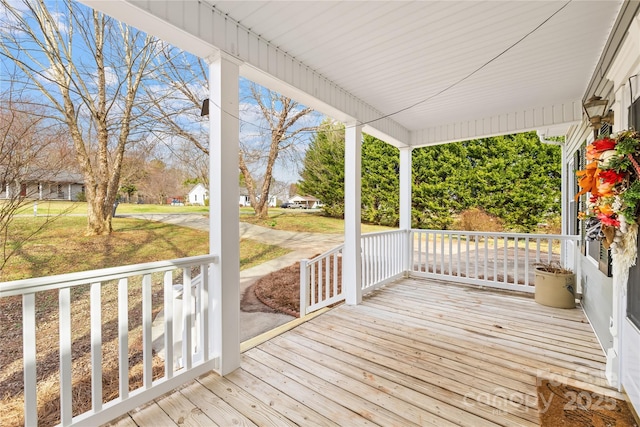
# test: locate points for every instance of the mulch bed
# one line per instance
(280, 290)
(561, 405)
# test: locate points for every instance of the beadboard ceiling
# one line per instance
(424, 65)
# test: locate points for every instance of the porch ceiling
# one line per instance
(440, 71)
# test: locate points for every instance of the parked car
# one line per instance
(285, 205)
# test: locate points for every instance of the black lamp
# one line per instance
(597, 113)
(204, 111)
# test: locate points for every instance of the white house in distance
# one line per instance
(245, 200)
(304, 202)
(197, 195)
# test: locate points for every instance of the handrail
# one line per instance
(187, 332)
(382, 258)
(493, 259)
(501, 233)
(25, 286)
(320, 283)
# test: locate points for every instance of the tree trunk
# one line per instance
(97, 225)
(98, 220)
(262, 210)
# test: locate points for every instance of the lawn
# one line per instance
(303, 220)
(63, 248)
(55, 207)
(312, 221)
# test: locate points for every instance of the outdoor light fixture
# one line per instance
(204, 111)
(597, 113)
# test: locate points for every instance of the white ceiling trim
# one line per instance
(546, 119)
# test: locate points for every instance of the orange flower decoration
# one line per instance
(606, 210)
(605, 189)
(588, 180)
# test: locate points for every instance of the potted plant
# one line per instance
(555, 285)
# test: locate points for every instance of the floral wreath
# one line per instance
(612, 178)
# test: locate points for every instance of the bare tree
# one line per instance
(180, 126)
(32, 151)
(282, 135)
(276, 137)
(161, 181)
(90, 69)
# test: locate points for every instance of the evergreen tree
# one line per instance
(516, 178)
(440, 185)
(380, 183)
(323, 173)
(513, 177)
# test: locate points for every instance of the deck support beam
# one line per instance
(224, 145)
(352, 255)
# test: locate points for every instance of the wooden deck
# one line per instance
(417, 352)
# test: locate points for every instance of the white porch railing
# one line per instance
(382, 258)
(499, 260)
(321, 281)
(321, 277)
(195, 346)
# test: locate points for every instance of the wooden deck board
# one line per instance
(183, 412)
(416, 352)
(214, 407)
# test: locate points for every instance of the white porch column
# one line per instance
(620, 276)
(39, 191)
(352, 255)
(405, 202)
(224, 217)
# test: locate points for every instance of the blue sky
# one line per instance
(252, 125)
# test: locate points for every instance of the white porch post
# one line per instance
(614, 366)
(405, 203)
(223, 211)
(568, 250)
(352, 256)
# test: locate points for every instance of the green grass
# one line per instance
(63, 248)
(279, 219)
(55, 207)
(303, 220)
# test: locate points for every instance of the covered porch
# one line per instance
(415, 352)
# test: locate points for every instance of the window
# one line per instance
(634, 114)
(593, 248)
(603, 255)
(633, 290)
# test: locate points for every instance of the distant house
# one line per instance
(304, 202)
(244, 197)
(61, 186)
(197, 195)
(246, 201)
